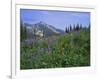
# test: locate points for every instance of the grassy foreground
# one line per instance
(68, 50)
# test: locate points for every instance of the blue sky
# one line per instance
(59, 19)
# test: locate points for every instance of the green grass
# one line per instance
(68, 50)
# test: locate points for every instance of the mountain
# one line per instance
(48, 30)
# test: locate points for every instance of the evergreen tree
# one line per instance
(70, 27)
(77, 27)
(66, 30)
(80, 27)
(23, 31)
(74, 27)
(89, 26)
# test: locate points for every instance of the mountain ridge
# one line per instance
(47, 29)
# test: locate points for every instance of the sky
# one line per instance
(59, 19)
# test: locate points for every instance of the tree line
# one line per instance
(23, 31)
(76, 27)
